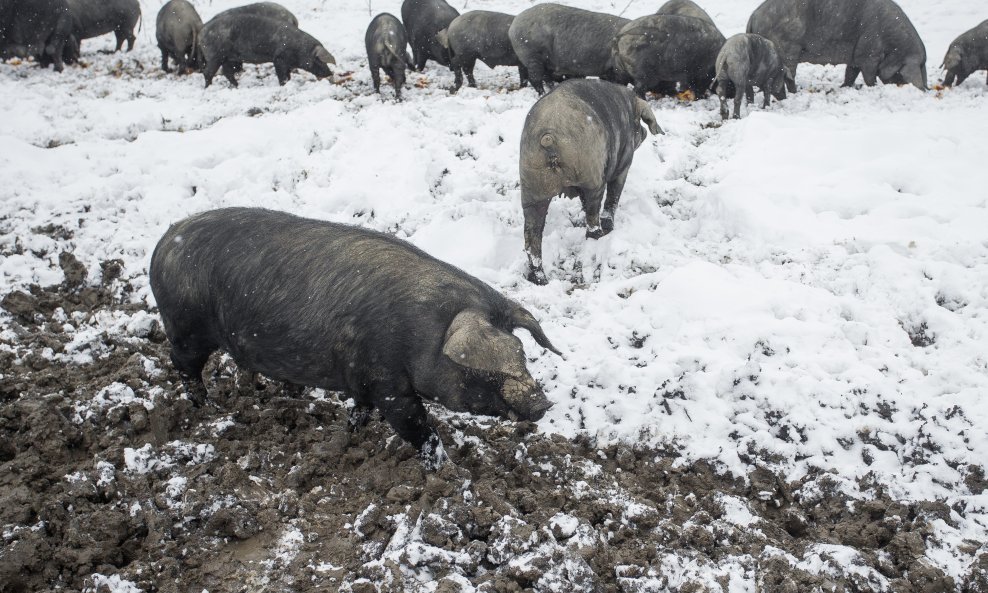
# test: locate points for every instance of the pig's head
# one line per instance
(318, 62)
(954, 59)
(901, 67)
(783, 78)
(495, 357)
(644, 114)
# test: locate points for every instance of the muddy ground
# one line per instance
(111, 479)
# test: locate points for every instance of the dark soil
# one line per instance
(107, 468)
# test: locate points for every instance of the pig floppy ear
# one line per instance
(472, 342)
(646, 115)
(520, 317)
(326, 57)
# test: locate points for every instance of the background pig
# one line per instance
(746, 61)
(272, 10)
(662, 49)
(346, 309)
(966, 54)
(231, 40)
(92, 18)
(578, 140)
(685, 8)
(480, 35)
(554, 42)
(386, 42)
(873, 37)
(424, 19)
(38, 28)
(177, 29)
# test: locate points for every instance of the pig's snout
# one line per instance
(525, 400)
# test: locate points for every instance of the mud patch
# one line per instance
(110, 475)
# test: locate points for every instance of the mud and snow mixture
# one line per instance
(775, 373)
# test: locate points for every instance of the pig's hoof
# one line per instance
(607, 224)
(195, 391)
(595, 232)
(537, 276)
(433, 455)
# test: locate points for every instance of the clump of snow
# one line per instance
(112, 584)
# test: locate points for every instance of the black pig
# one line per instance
(874, 38)
(553, 41)
(424, 19)
(386, 41)
(177, 29)
(659, 50)
(346, 309)
(480, 35)
(92, 18)
(579, 141)
(748, 60)
(231, 40)
(38, 28)
(966, 54)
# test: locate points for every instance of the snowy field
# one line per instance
(805, 289)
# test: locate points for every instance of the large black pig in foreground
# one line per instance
(966, 54)
(343, 308)
(92, 18)
(579, 141)
(873, 37)
(231, 40)
(38, 28)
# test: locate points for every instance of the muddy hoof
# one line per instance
(537, 276)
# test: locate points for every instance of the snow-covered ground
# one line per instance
(806, 288)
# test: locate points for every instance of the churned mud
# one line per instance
(111, 479)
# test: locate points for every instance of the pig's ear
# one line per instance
(472, 342)
(443, 37)
(646, 115)
(520, 317)
(326, 57)
(788, 76)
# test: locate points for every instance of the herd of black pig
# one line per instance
(347, 309)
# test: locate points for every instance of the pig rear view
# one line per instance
(342, 308)
(177, 30)
(386, 44)
(748, 60)
(38, 28)
(578, 140)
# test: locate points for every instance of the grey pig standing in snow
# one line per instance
(480, 35)
(346, 309)
(234, 39)
(746, 61)
(873, 37)
(38, 28)
(386, 42)
(966, 54)
(177, 31)
(424, 19)
(92, 18)
(660, 49)
(685, 8)
(579, 141)
(554, 42)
